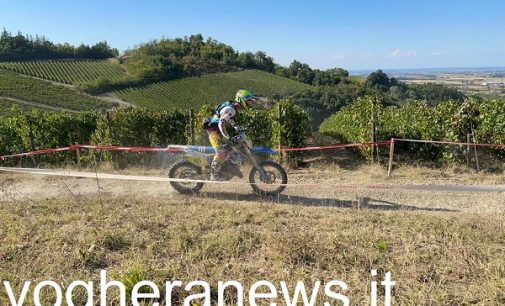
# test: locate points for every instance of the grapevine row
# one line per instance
(69, 72)
(196, 91)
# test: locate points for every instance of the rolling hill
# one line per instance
(212, 88)
(26, 81)
(45, 93)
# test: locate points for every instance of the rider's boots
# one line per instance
(215, 168)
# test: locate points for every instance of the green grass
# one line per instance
(67, 71)
(213, 88)
(29, 89)
(435, 258)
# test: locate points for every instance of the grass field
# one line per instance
(441, 248)
(471, 84)
(214, 88)
(67, 71)
(38, 91)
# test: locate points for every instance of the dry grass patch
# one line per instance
(436, 258)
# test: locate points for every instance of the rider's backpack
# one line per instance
(221, 106)
(209, 122)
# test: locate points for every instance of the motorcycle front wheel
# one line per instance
(186, 170)
(273, 183)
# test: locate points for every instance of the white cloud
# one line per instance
(403, 53)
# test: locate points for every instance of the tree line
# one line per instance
(26, 47)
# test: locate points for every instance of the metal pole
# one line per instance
(391, 152)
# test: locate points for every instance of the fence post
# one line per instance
(372, 138)
(113, 154)
(475, 149)
(468, 149)
(32, 141)
(391, 153)
(78, 156)
(109, 127)
(279, 118)
(192, 127)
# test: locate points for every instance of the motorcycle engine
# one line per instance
(237, 158)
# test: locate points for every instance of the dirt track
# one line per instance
(331, 192)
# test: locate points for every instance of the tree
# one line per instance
(83, 51)
(264, 62)
(102, 50)
(378, 80)
(246, 60)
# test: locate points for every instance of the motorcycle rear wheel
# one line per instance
(185, 170)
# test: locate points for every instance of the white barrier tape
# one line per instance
(95, 175)
(390, 187)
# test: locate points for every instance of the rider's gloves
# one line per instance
(227, 146)
(238, 128)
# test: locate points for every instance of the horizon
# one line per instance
(367, 36)
(437, 69)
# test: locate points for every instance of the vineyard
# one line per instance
(32, 90)
(138, 127)
(6, 106)
(482, 119)
(66, 71)
(213, 88)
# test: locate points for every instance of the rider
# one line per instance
(218, 136)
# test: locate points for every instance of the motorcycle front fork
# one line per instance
(263, 175)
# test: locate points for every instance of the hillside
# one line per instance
(68, 71)
(46, 93)
(190, 92)
(6, 105)
(212, 88)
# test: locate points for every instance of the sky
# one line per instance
(353, 35)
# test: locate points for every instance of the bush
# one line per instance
(137, 127)
(447, 121)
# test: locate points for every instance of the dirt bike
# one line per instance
(266, 176)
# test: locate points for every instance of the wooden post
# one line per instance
(109, 127)
(476, 158)
(475, 150)
(372, 120)
(32, 141)
(391, 152)
(113, 154)
(78, 156)
(192, 127)
(468, 149)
